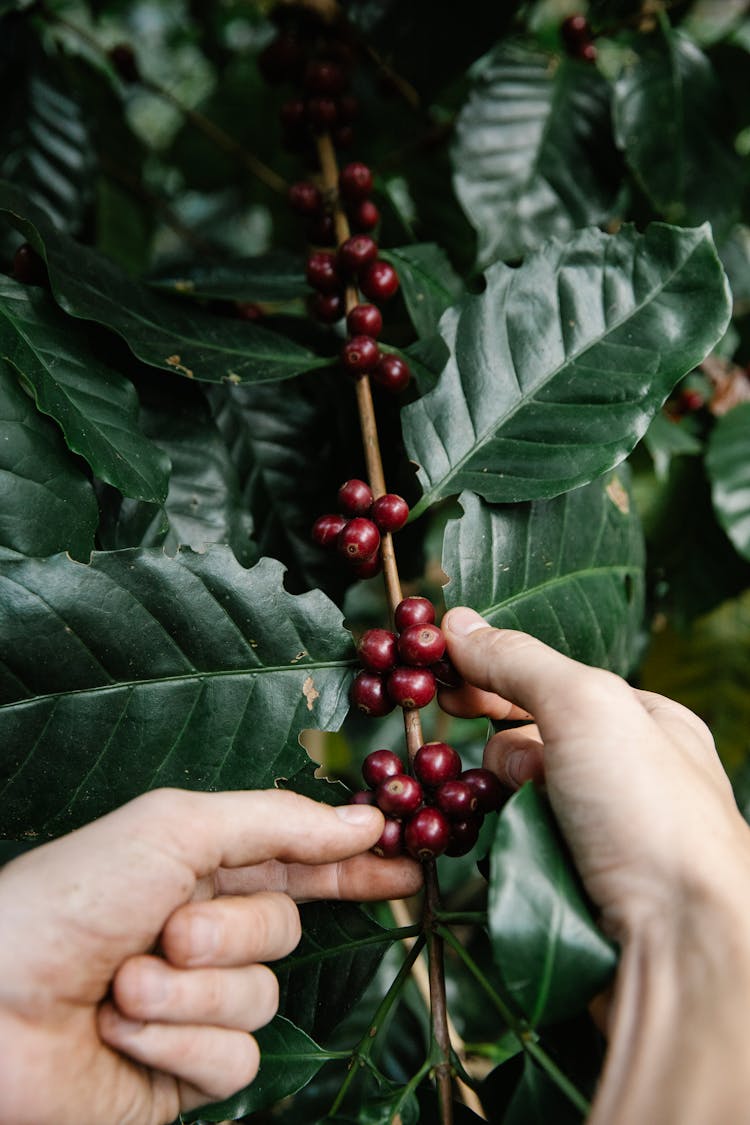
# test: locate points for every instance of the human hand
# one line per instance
(648, 812)
(94, 1026)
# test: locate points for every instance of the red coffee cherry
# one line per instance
(359, 540)
(400, 795)
(369, 695)
(322, 273)
(487, 789)
(327, 307)
(362, 797)
(456, 799)
(365, 320)
(322, 113)
(348, 108)
(379, 281)
(435, 763)
(379, 766)
(445, 674)
(355, 497)
(321, 231)
(464, 835)
(575, 31)
(390, 512)
(421, 645)
(356, 253)
(324, 77)
(392, 373)
(359, 354)
(364, 216)
(391, 842)
(293, 115)
(427, 834)
(305, 199)
(378, 650)
(368, 568)
(414, 611)
(326, 529)
(355, 181)
(411, 688)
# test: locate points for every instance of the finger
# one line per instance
(364, 878)
(516, 756)
(148, 988)
(232, 931)
(669, 711)
(468, 702)
(214, 1060)
(562, 694)
(210, 830)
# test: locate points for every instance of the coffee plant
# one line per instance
(465, 291)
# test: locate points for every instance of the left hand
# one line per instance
(95, 1025)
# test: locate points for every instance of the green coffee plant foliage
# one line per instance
(174, 416)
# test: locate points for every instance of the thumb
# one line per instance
(527, 672)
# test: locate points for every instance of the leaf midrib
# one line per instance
(560, 580)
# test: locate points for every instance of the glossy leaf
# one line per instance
(46, 503)
(95, 407)
(568, 570)
(140, 670)
(328, 972)
(288, 1060)
(428, 282)
(728, 466)
(550, 956)
(276, 276)
(204, 504)
(538, 1101)
(531, 148)
(558, 367)
(164, 333)
(670, 122)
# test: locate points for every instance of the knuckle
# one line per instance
(239, 1065)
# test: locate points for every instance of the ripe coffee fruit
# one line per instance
(321, 272)
(362, 797)
(378, 650)
(427, 834)
(379, 281)
(435, 763)
(305, 199)
(356, 253)
(327, 307)
(369, 695)
(392, 374)
(365, 320)
(486, 788)
(368, 568)
(364, 216)
(421, 645)
(355, 181)
(391, 842)
(414, 611)
(464, 835)
(411, 688)
(390, 512)
(355, 497)
(400, 795)
(456, 799)
(379, 766)
(360, 353)
(326, 530)
(359, 540)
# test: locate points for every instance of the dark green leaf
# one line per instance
(276, 276)
(538, 1101)
(551, 957)
(399, 1105)
(428, 282)
(288, 1060)
(667, 438)
(728, 467)
(204, 504)
(670, 122)
(96, 408)
(140, 670)
(46, 503)
(558, 367)
(328, 972)
(568, 570)
(164, 333)
(529, 157)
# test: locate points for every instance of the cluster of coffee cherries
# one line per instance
(439, 809)
(355, 531)
(575, 33)
(402, 668)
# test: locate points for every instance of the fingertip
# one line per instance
(361, 816)
(462, 621)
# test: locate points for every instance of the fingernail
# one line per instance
(463, 621)
(204, 937)
(356, 814)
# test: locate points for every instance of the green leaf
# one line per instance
(568, 570)
(667, 438)
(337, 958)
(46, 503)
(275, 276)
(95, 407)
(557, 369)
(532, 144)
(428, 282)
(204, 504)
(164, 333)
(550, 956)
(289, 1059)
(398, 1105)
(538, 1101)
(728, 468)
(140, 670)
(671, 124)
